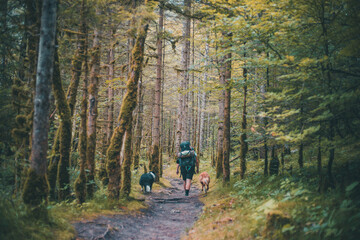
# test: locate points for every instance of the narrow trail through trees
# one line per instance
(168, 216)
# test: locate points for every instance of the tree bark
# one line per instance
(36, 185)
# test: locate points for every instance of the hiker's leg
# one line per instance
(184, 185)
(188, 184)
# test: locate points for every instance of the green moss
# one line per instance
(90, 164)
(80, 187)
(36, 189)
(126, 171)
(52, 176)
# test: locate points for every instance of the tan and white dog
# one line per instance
(204, 179)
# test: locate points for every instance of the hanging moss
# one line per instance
(36, 189)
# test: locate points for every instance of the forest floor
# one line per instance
(169, 215)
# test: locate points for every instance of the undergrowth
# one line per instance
(17, 222)
(243, 208)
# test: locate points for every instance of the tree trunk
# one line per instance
(226, 143)
(184, 72)
(65, 133)
(36, 186)
(71, 101)
(125, 116)
(155, 155)
(220, 139)
(274, 162)
(126, 166)
(243, 136)
(93, 112)
(80, 182)
(203, 101)
(139, 126)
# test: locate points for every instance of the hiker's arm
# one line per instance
(177, 166)
(177, 169)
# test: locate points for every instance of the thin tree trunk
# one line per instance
(220, 140)
(139, 126)
(65, 133)
(226, 143)
(126, 165)
(155, 155)
(184, 71)
(36, 185)
(203, 100)
(243, 136)
(80, 182)
(93, 112)
(125, 116)
(71, 101)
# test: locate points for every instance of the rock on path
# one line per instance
(169, 215)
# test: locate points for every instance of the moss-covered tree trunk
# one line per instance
(139, 127)
(110, 107)
(125, 116)
(80, 182)
(22, 89)
(65, 133)
(126, 165)
(93, 112)
(71, 101)
(36, 185)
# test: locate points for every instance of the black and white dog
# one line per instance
(146, 181)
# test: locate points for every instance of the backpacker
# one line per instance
(187, 158)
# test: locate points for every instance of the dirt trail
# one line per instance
(169, 215)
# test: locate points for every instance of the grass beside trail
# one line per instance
(277, 207)
(17, 222)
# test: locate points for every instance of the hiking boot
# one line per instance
(186, 192)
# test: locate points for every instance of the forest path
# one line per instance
(168, 216)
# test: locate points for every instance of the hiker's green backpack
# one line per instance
(187, 156)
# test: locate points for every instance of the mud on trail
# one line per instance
(169, 215)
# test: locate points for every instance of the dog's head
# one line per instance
(153, 175)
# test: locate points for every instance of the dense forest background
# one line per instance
(267, 92)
